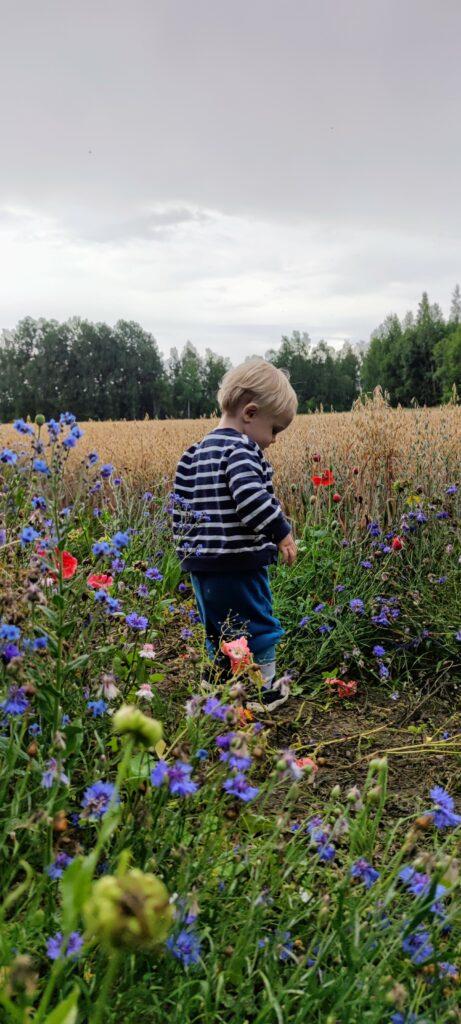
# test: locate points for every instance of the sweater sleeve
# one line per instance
(255, 506)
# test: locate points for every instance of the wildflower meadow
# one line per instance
(168, 854)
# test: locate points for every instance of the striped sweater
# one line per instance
(225, 513)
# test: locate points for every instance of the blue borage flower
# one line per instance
(16, 702)
(59, 865)
(444, 815)
(185, 946)
(177, 777)
(69, 948)
(364, 871)
(97, 799)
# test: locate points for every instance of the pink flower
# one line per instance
(306, 762)
(145, 691)
(99, 579)
(344, 689)
(238, 652)
(147, 651)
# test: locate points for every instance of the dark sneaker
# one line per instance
(273, 697)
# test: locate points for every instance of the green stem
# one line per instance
(109, 976)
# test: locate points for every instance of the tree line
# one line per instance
(103, 372)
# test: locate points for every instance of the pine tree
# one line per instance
(455, 308)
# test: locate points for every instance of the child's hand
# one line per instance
(287, 548)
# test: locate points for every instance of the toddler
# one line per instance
(227, 523)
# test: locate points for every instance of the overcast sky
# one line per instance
(227, 170)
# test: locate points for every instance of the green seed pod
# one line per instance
(132, 721)
(130, 912)
(39, 419)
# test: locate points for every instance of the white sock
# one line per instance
(267, 670)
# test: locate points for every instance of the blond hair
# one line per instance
(258, 381)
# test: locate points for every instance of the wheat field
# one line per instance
(369, 449)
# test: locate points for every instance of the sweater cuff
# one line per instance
(279, 529)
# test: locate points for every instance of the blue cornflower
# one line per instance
(366, 564)
(9, 632)
(153, 574)
(215, 709)
(365, 872)
(101, 547)
(319, 834)
(69, 442)
(182, 587)
(374, 529)
(41, 466)
(142, 590)
(59, 865)
(113, 605)
(404, 1018)
(419, 883)
(185, 946)
(186, 634)
(383, 670)
(286, 947)
(381, 619)
(357, 605)
(418, 946)
(57, 946)
(379, 651)
(16, 702)
(107, 470)
(2, 537)
(135, 621)
(77, 431)
(28, 535)
(319, 607)
(97, 798)
(98, 707)
(443, 815)
(340, 587)
(35, 729)
(177, 776)
(201, 754)
(10, 651)
(451, 490)
(458, 636)
(325, 628)
(147, 496)
(239, 786)
(53, 428)
(8, 457)
(92, 458)
(38, 502)
(118, 565)
(304, 620)
(68, 418)
(23, 427)
(120, 540)
(40, 643)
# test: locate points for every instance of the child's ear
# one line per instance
(250, 411)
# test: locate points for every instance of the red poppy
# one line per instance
(325, 480)
(99, 579)
(68, 563)
(344, 689)
(397, 544)
(238, 652)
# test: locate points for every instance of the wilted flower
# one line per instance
(344, 689)
(53, 772)
(238, 652)
(145, 691)
(147, 651)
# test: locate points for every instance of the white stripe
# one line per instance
(234, 551)
(241, 504)
(193, 476)
(204, 487)
(256, 512)
(256, 485)
(200, 501)
(266, 521)
(223, 539)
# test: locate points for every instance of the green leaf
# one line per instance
(75, 888)
(66, 1012)
(77, 662)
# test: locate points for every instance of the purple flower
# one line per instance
(8, 457)
(366, 564)
(135, 621)
(379, 651)
(107, 470)
(59, 865)
(16, 702)
(28, 535)
(57, 946)
(177, 776)
(417, 945)
(183, 588)
(52, 773)
(319, 834)
(365, 872)
(451, 490)
(305, 620)
(8, 632)
(120, 540)
(419, 884)
(458, 636)
(97, 799)
(443, 815)
(340, 587)
(325, 628)
(101, 547)
(319, 607)
(374, 529)
(185, 946)
(98, 707)
(186, 634)
(215, 709)
(142, 590)
(383, 670)
(10, 651)
(153, 573)
(118, 565)
(41, 466)
(239, 786)
(357, 605)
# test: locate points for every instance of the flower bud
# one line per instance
(336, 792)
(130, 720)
(130, 912)
(39, 419)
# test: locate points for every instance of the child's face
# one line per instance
(263, 426)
